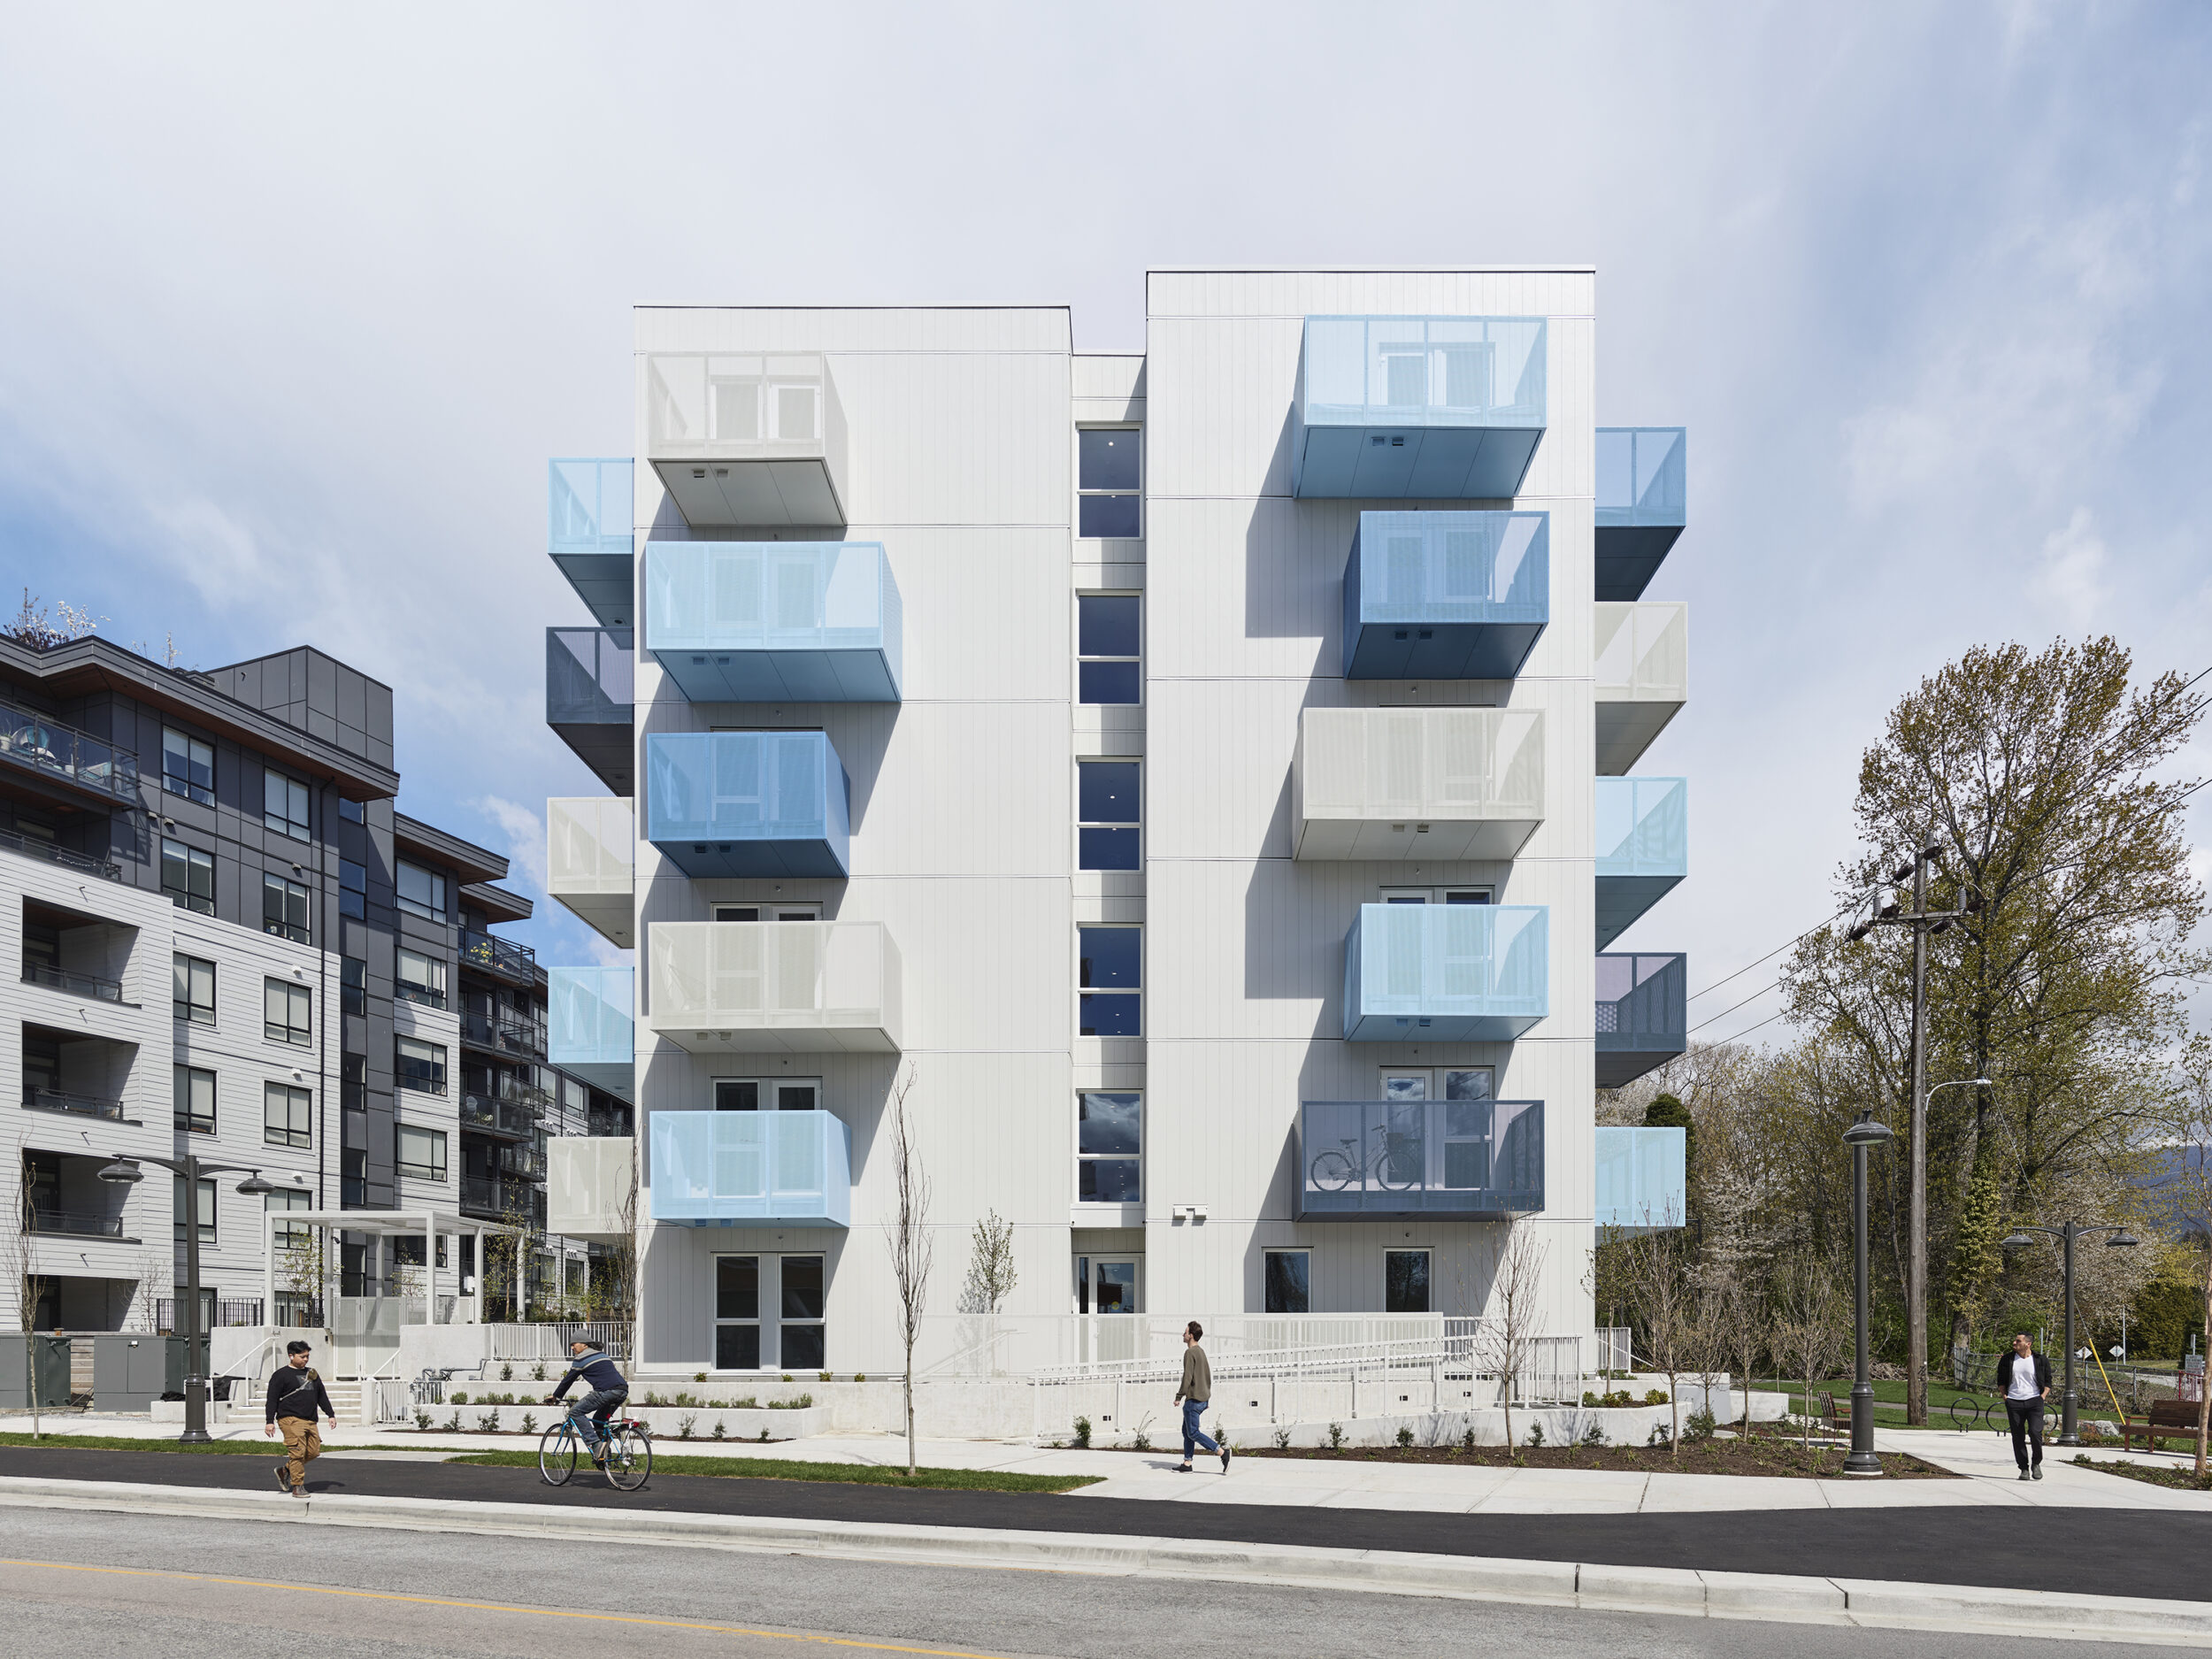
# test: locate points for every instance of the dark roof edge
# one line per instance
(499, 904)
(471, 863)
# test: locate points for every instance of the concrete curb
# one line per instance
(1734, 1595)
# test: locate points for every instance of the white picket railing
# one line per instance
(551, 1340)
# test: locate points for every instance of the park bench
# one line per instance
(1836, 1413)
(2168, 1419)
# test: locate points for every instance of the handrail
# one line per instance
(74, 984)
(61, 855)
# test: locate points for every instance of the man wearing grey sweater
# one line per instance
(1197, 1387)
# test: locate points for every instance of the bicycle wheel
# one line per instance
(557, 1454)
(1334, 1172)
(629, 1457)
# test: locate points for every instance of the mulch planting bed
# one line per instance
(2181, 1477)
(1761, 1455)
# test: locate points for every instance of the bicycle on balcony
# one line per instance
(1397, 1167)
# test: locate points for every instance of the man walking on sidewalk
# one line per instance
(295, 1394)
(2023, 1377)
(1196, 1389)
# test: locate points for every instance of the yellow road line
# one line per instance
(499, 1607)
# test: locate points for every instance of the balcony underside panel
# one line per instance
(602, 582)
(612, 916)
(1629, 555)
(1626, 728)
(753, 492)
(1415, 463)
(795, 676)
(603, 746)
(1619, 1062)
(1325, 838)
(709, 861)
(805, 1035)
(1622, 900)
(1440, 1028)
(1479, 650)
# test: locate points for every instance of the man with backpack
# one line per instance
(295, 1394)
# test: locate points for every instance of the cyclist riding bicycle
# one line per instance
(604, 1389)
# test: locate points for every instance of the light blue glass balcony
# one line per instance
(589, 675)
(748, 804)
(589, 1028)
(587, 533)
(1643, 847)
(1446, 973)
(1643, 1013)
(1418, 408)
(1475, 1160)
(1643, 504)
(1642, 1178)
(752, 1168)
(1446, 596)
(775, 621)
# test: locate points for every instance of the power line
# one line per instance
(1777, 951)
(1747, 1030)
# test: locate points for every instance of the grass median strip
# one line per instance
(848, 1474)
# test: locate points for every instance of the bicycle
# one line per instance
(628, 1445)
(1338, 1171)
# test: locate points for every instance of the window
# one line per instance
(767, 912)
(737, 1313)
(286, 1115)
(194, 1105)
(284, 805)
(1106, 627)
(290, 1234)
(421, 892)
(1405, 1282)
(187, 766)
(1111, 977)
(1289, 1274)
(421, 979)
(1108, 1129)
(421, 1153)
(1435, 895)
(288, 1013)
(187, 876)
(180, 1210)
(803, 1300)
(775, 1094)
(353, 984)
(420, 1065)
(283, 908)
(352, 811)
(194, 989)
(353, 889)
(1107, 474)
(1106, 807)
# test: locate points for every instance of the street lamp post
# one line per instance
(1861, 1137)
(2069, 1433)
(125, 1171)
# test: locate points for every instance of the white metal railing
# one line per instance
(249, 1370)
(551, 1340)
(373, 1387)
(1610, 1349)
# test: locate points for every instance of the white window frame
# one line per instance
(766, 1084)
(1083, 1157)
(1081, 493)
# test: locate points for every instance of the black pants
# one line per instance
(2027, 1429)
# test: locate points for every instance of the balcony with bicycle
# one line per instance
(757, 1168)
(53, 761)
(488, 953)
(591, 507)
(1470, 1159)
(1418, 408)
(1643, 1013)
(1643, 847)
(590, 699)
(590, 862)
(1642, 504)
(747, 439)
(775, 621)
(1642, 1178)
(1446, 973)
(1641, 663)
(722, 804)
(1398, 783)
(775, 987)
(591, 1031)
(1446, 596)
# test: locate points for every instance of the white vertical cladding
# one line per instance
(959, 462)
(1245, 948)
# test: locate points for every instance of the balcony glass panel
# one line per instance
(1446, 973)
(589, 693)
(748, 804)
(1417, 783)
(1418, 408)
(796, 987)
(590, 844)
(775, 621)
(1642, 1178)
(35, 742)
(590, 1031)
(1643, 1013)
(1643, 504)
(747, 440)
(1643, 847)
(1446, 596)
(1641, 660)
(491, 954)
(1379, 1160)
(730, 1169)
(587, 532)
(589, 1188)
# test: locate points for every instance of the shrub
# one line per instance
(422, 1421)
(1590, 1399)
(1336, 1437)
(459, 1397)
(1467, 1440)
(684, 1425)
(1142, 1438)
(538, 1370)
(1698, 1425)
(652, 1398)
(1282, 1439)
(799, 1404)
(487, 1422)
(1594, 1435)
(453, 1424)
(506, 1373)
(1083, 1434)
(1405, 1439)
(1656, 1397)
(786, 1376)
(860, 1376)
(748, 1403)
(720, 1433)
(1535, 1435)
(698, 1376)
(685, 1398)
(1659, 1435)
(825, 1377)
(529, 1423)
(764, 1437)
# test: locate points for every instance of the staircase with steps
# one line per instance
(345, 1400)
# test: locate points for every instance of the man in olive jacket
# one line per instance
(1197, 1387)
(295, 1394)
(2023, 1378)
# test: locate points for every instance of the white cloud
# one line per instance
(525, 831)
(2070, 580)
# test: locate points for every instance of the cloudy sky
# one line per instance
(296, 302)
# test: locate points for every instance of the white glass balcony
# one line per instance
(1417, 783)
(1643, 847)
(1446, 596)
(589, 1026)
(1642, 1178)
(1467, 1160)
(774, 988)
(587, 532)
(1643, 503)
(745, 440)
(1641, 663)
(590, 1187)
(1418, 408)
(774, 621)
(590, 849)
(1446, 973)
(737, 1169)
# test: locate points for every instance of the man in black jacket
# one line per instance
(295, 1394)
(2023, 1378)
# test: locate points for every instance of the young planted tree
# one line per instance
(1808, 1326)
(908, 1236)
(1665, 1306)
(991, 1274)
(18, 1262)
(1512, 1319)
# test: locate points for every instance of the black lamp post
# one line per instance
(125, 1171)
(1861, 1137)
(2069, 1431)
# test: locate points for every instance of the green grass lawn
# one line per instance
(1889, 1396)
(848, 1474)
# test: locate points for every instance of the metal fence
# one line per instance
(551, 1340)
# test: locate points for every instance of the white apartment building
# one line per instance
(1206, 780)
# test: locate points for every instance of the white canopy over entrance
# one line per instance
(383, 1224)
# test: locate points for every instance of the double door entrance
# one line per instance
(769, 1312)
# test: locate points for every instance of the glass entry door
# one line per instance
(769, 1312)
(1107, 1284)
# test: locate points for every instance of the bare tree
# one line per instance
(19, 1260)
(908, 1236)
(1809, 1333)
(154, 1270)
(990, 1275)
(1506, 1334)
(1665, 1307)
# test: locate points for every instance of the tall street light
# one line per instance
(126, 1171)
(1861, 1137)
(2121, 1240)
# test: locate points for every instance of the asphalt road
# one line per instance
(80, 1585)
(2106, 1552)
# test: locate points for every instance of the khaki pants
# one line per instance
(304, 1444)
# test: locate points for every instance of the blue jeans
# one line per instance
(591, 1411)
(1192, 1435)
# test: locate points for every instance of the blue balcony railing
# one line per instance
(735, 1167)
(588, 1019)
(1643, 847)
(589, 692)
(1381, 1160)
(587, 533)
(748, 804)
(775, 621)
(1418, 408)
(1446, 596)
(1643, 1013)
(1446, 973)
(1642, 1178)
(1643, 504)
